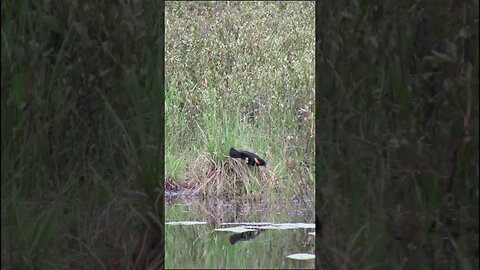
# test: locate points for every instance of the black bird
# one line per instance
(251, 158)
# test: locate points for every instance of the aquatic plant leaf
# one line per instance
(301, 256)
(239, 229)
(305, 225)
(268, 227)
(185, 223)
(287, 226)
(247, 223)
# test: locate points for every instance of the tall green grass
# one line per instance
(81, 132)
(240, 75)
(398, 147)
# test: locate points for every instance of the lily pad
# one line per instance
(185, 223)
(247, 223)
(268, 227)
(287, 226)
(301, 256)
(305, 225)
(297, 225)
(239, 229)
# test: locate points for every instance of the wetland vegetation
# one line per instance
(239, 75)
(392, 130)
(397, 157)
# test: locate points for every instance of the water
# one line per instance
(200, 246)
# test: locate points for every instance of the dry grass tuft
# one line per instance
(232, 177)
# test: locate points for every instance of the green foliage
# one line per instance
(81, 122)
(398, 145)
(240, 75)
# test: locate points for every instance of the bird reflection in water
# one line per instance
(246, 236)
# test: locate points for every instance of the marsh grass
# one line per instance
(398, 147)
(81, 130)
(240, 75)
(229, 179)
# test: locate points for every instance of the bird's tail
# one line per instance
(234, 153)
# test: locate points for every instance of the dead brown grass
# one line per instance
(233, 177)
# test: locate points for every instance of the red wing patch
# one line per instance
(258, 161)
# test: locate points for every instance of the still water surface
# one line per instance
(200, 246)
